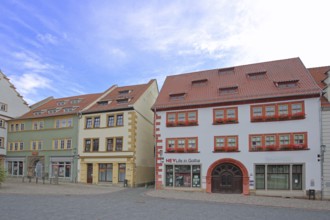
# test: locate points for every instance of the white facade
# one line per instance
(326, 162)
(206, 131)
(11, 105)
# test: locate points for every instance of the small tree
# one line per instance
(2, 175)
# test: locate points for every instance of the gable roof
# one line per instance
(320, 74)
(119, 98)
(273, 79)
(62, 106)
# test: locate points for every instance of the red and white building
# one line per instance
(245, 129)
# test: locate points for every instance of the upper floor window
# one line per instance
(2, 123)
(3, 107)
(257, 75)
(116, 120)
(2, 142)
(93, 122)
(226, 71)
(62, 144)
(225, 115)
(226, 143)
(37, 125)
(122, 101)
(182, 145)
(63, 122)
(282, 141)
(36, 145)
(278, 111)
(199, 82)
(75, 101)
(114, 144)
(15, 146)
(16, 126)
(60, 103)
(91, 145)
(182, 118)
(124, 92)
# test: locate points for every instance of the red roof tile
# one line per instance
(116, 99)
(260, 86)
(320, 74)
(61, 104)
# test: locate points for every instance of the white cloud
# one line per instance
(47, 39)
(30, 83)
(32, 62)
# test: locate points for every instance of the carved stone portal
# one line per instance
(36, 166)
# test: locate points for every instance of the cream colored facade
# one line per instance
(135, 161)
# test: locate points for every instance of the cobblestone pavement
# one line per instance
(16, 186)
(241, 199)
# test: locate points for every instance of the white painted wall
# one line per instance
(16, 106)
(206, 132)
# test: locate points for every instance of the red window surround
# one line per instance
(278, 142)
(183, 118)
(278, 111)
(182, 145)
(225, 115)
(226, 143)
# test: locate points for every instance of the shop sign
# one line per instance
(169, 160)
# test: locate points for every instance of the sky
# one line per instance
(64, 48)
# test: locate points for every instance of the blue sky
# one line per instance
(68, 47)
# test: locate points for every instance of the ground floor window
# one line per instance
(279, 177)
(62, 169)
(183, 175)
(15, 168)
(105, 172)
(121, 172)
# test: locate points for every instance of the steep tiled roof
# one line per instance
(119, 98)
(274, 79)
(62, 106)
(320, 74)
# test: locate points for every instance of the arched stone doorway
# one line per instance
(227, 176)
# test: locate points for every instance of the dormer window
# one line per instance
(122, 101)
(228, 90)
(124, 92)
(199, 82)
(75, 101)
(69, 109)
(177, 96)
(60, 103)
(226, 71)
(103, 103)
(287, 84)
(36, 113)
(257, 75)
(53, 111)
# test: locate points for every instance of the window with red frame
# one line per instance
(275, 142)
(186, 118)
(225, 115)
(278, 111)
(225, 143)
(182, 145)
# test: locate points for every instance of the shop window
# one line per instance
(225, 115)
(105, 172)
(62, 169)
(121, 172)
(187, 118)
(183, 176)
(15, 168)
(278, 177)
